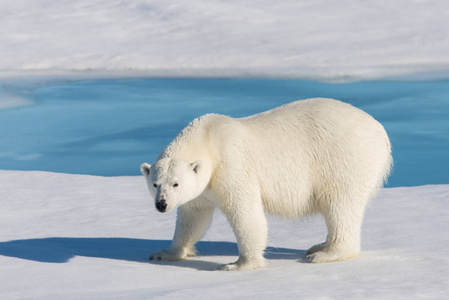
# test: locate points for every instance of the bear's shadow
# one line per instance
(62, 249)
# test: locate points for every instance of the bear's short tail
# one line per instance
(389, 164)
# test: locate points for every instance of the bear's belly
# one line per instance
(286, 193)
(288, 206)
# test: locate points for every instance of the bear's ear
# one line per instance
(145, 169)
(196, 166)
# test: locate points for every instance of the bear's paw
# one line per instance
(243, 265)
(330, 256)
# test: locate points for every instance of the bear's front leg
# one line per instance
(248, 221)
(192, 222)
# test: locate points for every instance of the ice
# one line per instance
(10, 101)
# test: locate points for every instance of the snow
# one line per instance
(88, 237)
(347, 39)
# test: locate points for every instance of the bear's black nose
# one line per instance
(161, 205)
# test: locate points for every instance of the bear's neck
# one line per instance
(193, 142)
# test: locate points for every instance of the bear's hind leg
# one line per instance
(344, 235)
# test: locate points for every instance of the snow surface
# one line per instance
(292, 38)
(87, 237)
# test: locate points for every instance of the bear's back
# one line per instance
(318, 121)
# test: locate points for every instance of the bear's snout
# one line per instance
(161, 205)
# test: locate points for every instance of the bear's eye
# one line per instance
(155, 185)
(175, 185)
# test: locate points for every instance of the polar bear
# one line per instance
(314, 156)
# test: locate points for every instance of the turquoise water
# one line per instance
(109, 127)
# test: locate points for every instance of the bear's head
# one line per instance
(173, 182)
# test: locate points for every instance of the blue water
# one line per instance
(109, 127)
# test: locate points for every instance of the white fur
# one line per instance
(315, 156)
